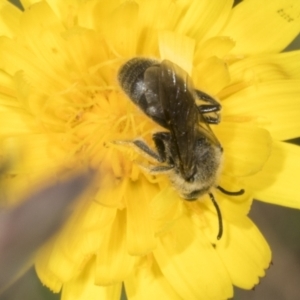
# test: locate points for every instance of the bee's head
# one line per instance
(191, 189)
(196, 178)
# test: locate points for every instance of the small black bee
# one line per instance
(188, 151)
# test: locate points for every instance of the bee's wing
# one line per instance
(184, 120)
(153, 107)
(139, 80)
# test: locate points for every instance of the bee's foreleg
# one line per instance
(141, 147)
(145, 150)
(162, 144)
(157, 169)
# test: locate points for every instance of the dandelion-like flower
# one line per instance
(61, 102)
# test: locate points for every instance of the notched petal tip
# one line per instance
(245, 253)
(260, 278)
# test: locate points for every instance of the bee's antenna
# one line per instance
(212, 198)
(238, 193)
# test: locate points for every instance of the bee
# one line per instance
(188, 151)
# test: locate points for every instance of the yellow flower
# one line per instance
(61, 103)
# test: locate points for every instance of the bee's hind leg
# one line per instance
(213, 107)
(162, 169)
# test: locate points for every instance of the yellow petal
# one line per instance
(63, 9)
(244, 252)
(246, 148)
(42, 33)
(273, 105)
(122, 38)
(61, 258)
(53, 264)
(66, 10)
(211, 75)
(151, 12)
(217, 46)
(27, 3)
(37, 19)
(148, 283)
(232, 207)
(10, 19)
(15, 58)
(83, 287)
(278, 182)
(83, 238)
(262, 27)
(177, 48)
(188, 261)
(140, 225)
(86, 14)
(48, 278)
(242, 248)
(14, 122)
(265, 67)
(37, 154)
(204, 215)
(166, 208)
(202, 19)
(114, 263)
(110, 191)
(7, 90)
(53, 54)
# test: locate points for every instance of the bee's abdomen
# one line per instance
(131, 77)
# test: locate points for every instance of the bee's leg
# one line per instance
(212, 120)
(141, 147)
(145, 150)
(162, 142)
(213, 107)
(157, 169)
(159, 157)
